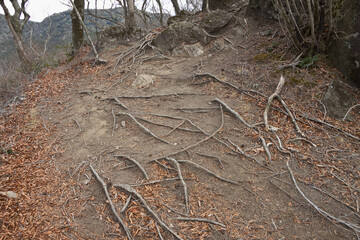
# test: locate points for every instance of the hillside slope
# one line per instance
(172, 145)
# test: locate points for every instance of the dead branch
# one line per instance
(130, 190)
(145, 128)
(134, 162)
(208, 171)
(186, 198)
(328, 216)
(122, 223)
(200, 220)
(76, 122)
(276, 94)
(128, 200)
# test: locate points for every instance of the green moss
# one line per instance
(301, 81)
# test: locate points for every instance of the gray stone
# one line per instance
(143, 80)
(344, 51)
(194, 50)
(9, 194)
(123, 123)
(217, 45)
(338, 100)
(215, 20)
(180, 33)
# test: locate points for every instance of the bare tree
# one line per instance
(176, 6)
(77, 28)
(16, 24)
(131, 12)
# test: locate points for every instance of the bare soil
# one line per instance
(261, 203)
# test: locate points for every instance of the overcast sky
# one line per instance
(40, 9)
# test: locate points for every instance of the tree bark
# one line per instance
(131, 14)
(77, 29)
(16, 26)
(176, 6)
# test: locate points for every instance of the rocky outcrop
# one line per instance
(180, 33)
(215, 20)
(338, 100)
(344, 51)
(262, 8)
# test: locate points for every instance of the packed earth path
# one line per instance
(150, 146)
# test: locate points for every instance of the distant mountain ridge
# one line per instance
(58, 27)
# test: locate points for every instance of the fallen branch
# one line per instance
(78, 167)
(352, 226)
(130, 190)
(182, 182)
(144, 128)
(276, 94)
(209, 156)
(302, 139)
(128, 234)
(134, 162)
(200, 220)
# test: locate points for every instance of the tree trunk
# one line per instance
(176, 6)
(77, 29)
(131, 14)
(16, 26)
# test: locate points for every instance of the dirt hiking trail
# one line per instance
(157, 147)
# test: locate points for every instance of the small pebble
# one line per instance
(123, 123)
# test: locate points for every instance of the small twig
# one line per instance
(114, 122)
(328, 216)
(200, 220)
(302, 139)
(128, 200)
(158, 231)
(208, 171)
(348, 111)
(265, 148)
(122, 223)
(130, 190)
(213, 157)
(186, 198)
(134, 162)
(117, 101)
(161, 95)
(325, 112)
(78, 167)
(344, 182)
(176, 127)
(76, 122)
(237, 115)
(154, 182)
(332, 126)
(144, 128)
(165, 125)
(173, 210)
